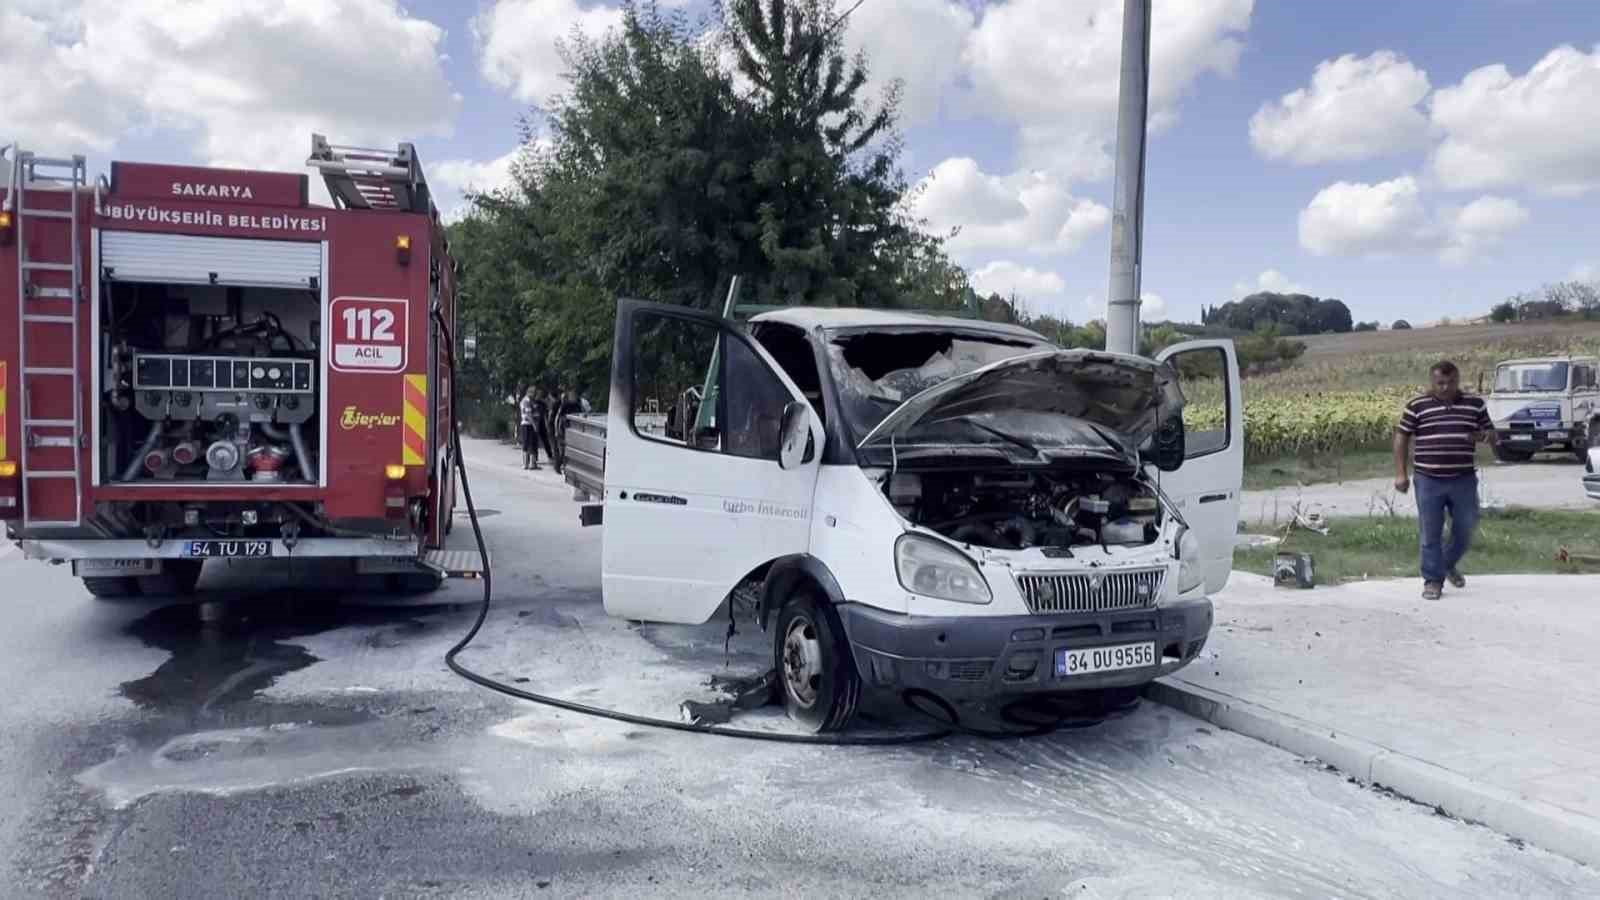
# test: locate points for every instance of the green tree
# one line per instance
(828, 192)
(653, 176)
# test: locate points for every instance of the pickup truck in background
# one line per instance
(1550, 403)
(910, 502)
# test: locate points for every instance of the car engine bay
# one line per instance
(1014, 509)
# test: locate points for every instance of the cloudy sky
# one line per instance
(1414, 159)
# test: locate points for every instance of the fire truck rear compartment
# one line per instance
(210, 384)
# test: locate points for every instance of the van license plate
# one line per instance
(1557, 435)
(1522, 437)
(1088, 660)
(226, 549)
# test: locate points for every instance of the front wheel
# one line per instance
(820, 686)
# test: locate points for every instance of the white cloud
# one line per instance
(53, 104)
(1388, 218)
(248, 82)
(1586, 272)
(484, 176)
(1354, 219)
(1005, 277)
(1478, 227)
(1540, 130)
(452, 179)
(917, 41)
(1270, 280)
(518, 43)
(1355, 108)
(1023, 211)
(1052, 66)
(1152, 307)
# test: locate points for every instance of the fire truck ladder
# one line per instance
(32, 173)
(365, 178)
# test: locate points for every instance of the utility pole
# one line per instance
(1127, 210)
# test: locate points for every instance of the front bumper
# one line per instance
(983, 657)
(1536, 440)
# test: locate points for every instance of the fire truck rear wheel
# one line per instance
(111, 588)
(414, 583)
(177, 579)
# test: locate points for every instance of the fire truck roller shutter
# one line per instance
(188, 259)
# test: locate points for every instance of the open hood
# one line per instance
(1055, 399)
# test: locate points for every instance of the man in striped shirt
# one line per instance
(1437, 435)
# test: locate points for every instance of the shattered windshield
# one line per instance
(876, 371)
(1531, 377)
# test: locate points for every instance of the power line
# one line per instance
(831, 28)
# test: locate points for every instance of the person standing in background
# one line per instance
(541, 426)
(1438, 434)
(526, 417)
(567, 406)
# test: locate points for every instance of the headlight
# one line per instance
(1191, 568)
(935, 569)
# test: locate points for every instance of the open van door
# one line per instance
(711, 463)
(1206, 488)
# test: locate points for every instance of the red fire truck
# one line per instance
(199, 364)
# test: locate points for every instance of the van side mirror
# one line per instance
(794, 435)
(1166, 448)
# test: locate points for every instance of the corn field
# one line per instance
(1352, 403)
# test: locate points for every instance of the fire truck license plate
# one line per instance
(226, 549)
(1104, 659)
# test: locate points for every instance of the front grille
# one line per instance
(1092, 592)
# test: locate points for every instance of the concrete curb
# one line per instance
(1555, 829)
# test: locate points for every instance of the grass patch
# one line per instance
(1288, 471)
(1515, 540)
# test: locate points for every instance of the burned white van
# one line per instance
(916, 502)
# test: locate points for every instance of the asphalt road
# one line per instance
(305, 745)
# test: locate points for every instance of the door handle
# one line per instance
(1212, 498)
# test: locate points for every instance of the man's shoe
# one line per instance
(1433, 590)
(1457, 580)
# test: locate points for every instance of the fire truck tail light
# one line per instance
(402, 248)
(5, 220)
(394, 473)
(10, 490)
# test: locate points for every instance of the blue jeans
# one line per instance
(1435, 496)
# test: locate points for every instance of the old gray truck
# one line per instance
(1549, 403)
